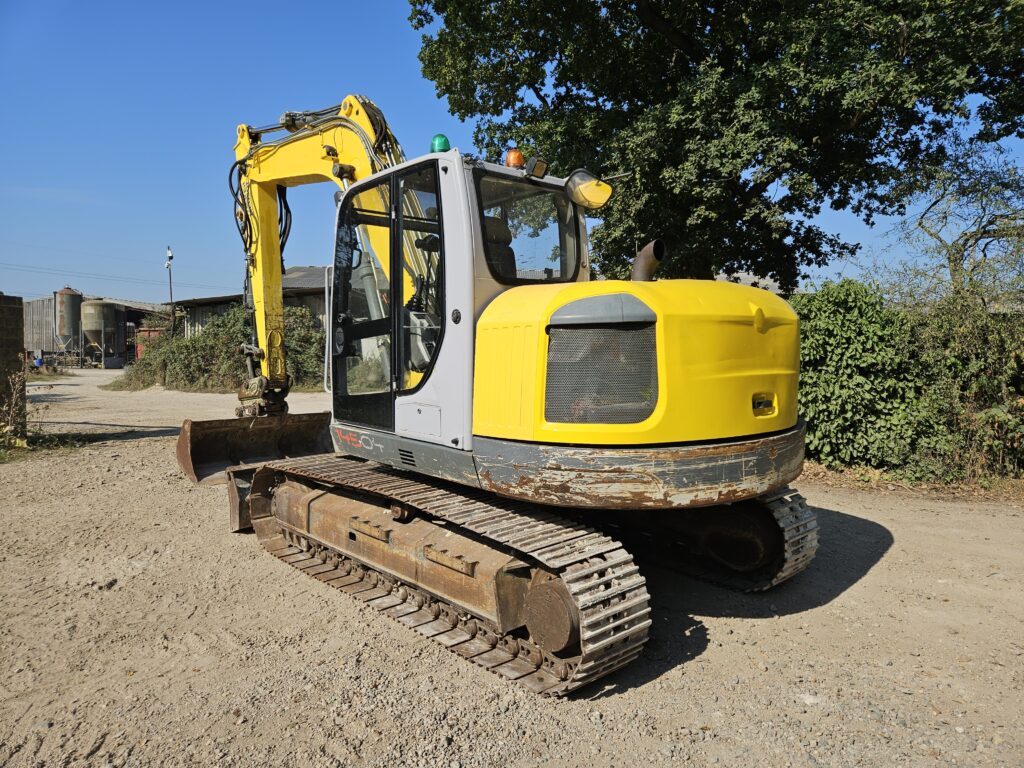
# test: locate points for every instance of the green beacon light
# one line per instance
(440, 143)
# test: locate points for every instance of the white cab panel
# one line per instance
(441, 410)
(418, 419)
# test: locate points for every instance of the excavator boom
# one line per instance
(340, 145)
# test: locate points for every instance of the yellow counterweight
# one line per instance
(727, 359)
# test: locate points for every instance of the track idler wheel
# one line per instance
(551, 616)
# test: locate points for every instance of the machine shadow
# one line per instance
(849, 546)
(125, 427)
(56, 439)
(36, 398)
(675, 638)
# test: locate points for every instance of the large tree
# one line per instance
(967, 230)
(733, 122)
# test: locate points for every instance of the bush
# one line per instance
(210, 360)
(305, 342)
(859, 390)
(973, 361)
(933, 391)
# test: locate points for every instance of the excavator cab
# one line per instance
(421, 250)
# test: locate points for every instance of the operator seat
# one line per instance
(498, 250)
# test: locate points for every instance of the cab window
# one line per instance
(422, 244)
(529, 231)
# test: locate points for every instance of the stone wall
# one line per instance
(12, 341)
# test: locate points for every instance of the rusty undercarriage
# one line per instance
(546, 602)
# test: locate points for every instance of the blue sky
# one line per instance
(120, 120)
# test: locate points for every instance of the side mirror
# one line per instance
(357, 258)
(584, 188)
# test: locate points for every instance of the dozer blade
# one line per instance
(207, 448)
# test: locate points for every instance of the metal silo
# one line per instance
(94, 323)
(103, 325)
(67, 308)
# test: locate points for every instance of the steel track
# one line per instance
(799, 528)
(604, 583)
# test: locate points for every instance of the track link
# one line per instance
(799, 526)
(604, 583)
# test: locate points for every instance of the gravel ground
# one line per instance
(136, 631)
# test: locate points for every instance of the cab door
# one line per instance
(362, 330)
(420, 294)
(401, 357)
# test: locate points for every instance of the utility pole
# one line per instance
(170, 284)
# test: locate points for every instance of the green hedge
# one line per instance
(933, 391)
(210, 360)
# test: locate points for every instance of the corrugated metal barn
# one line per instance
(39, 327)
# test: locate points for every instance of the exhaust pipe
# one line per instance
(646, 261)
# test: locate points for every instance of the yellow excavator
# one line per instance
(503, 426)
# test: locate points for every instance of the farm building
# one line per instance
(303, 286)
(74, 326)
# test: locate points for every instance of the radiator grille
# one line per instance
(604, 374)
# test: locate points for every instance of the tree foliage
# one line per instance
(733, 123)
(966, 236)
(961, 286)
(972, 358)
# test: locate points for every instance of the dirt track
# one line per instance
(136, 631)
